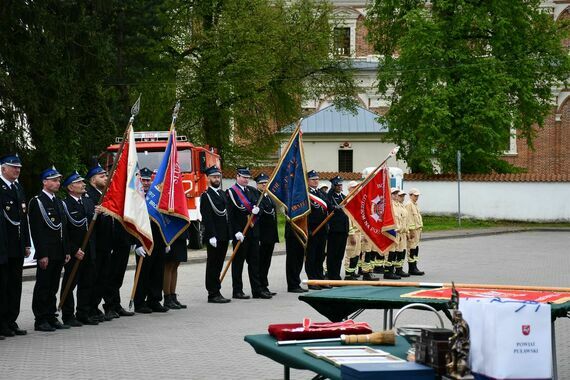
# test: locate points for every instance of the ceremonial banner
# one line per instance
(370, 208)
(166, 199)
(517, 295)
(125, 200)
(288, 185)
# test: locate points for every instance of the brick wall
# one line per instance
(551, 152)
(363, 48)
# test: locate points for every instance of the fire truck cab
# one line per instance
(193, 162)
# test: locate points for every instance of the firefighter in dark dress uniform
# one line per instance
(316, 245)
(338, 230)
(48, 225)
(149, 288)
(268, 234)
(242, 203)
(16, 241)
(97, 177)
(213, 208)
(79, 211)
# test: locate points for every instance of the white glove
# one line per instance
(167, 249)
(239, 236)
(255, 210)
(213, 242)
(140, 252)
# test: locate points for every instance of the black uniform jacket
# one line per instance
(104, 225)
(318, 213)
(339, 221)
(14, 207)
(267, 221)
(48, 242)
(213, 207)
(79, 216)
(238, 214)
(3, 252)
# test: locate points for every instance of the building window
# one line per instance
(345, 161)
(342, 41)
(511, 145)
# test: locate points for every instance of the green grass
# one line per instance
(440, 223)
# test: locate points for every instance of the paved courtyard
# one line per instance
(206, 340)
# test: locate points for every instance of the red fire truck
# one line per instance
(193, 162)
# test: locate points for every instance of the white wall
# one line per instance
(322, 156)
(524, 201)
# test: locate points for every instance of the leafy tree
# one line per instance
(69, 72)
(460, 74)
(247, 65)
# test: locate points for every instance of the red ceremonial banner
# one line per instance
(517, 295)
(371, 210)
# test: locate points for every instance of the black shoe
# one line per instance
(110, 314)
(88, 321)
(391, 276)
(315, 287)
(400, 272)
(99, 316)
(241, 296)
(156, 307)
(58, 325)
(2, 337)
(175, 299)
(326, 286)
(143, 310)
(218, 299)
(414, 271)
(297, 290)
(72, 322)
(264, 295)
(369, 277)
(6, 332)
(44, 326)
(17, 330)
(124, 313)
(170, 304)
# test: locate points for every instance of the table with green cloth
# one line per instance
(338, 303)
(293, 356)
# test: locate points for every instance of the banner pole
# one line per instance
(250, 217)
(134, 112)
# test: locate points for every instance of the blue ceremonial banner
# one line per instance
(288, 184)
(172, 224)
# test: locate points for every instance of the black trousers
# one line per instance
(214, 265)
(13, 290)
(295, 256)
(316, 256)
(117, 267)
(44, 301)
(83, 280)
(151, 277)
(265, 255)
(247, 252)
(101, 277)
(336, 244)
(3, 291)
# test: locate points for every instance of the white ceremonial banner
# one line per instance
(509, 339)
